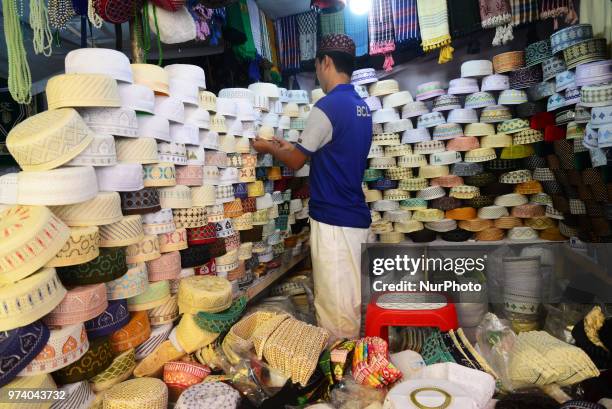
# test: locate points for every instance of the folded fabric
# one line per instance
(433, 23)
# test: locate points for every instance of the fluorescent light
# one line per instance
(360, 6)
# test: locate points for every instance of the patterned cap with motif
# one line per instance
(337, 43)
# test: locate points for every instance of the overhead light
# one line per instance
(360, 6)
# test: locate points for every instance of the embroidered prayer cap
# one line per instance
(476, 68)
(147, 393)
(32, 236)
(495, 82)
(462, 116)
(99, 61)
(414, 109)
(460, 86)
(49, 139)
(364, 76)
(187, 72)
(81, 247)
(397, 99)
(337, 43)
(508, 61)
(429, 90)
(64, 346)
(446, 102)
(82, 90)
(112, 319)
(463, 144)
(100, 152)
(566, 37)
(80, 304)
(586, 51)
(495, 113)
(152, 76)
(512, 97)
(595, 73)
(479, 100)
(19, 347)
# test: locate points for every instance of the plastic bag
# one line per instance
(496, 340)
(350, 395)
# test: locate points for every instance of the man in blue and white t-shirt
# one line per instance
(337, 140)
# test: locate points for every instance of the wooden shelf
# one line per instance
(266, 281)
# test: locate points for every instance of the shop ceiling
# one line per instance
(281, 8)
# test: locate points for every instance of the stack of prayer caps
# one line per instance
(472, 167)
(146, 180)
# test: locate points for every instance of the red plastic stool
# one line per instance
(408, 309)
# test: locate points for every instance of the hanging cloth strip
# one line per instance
(433, 23)
(255, 25)
(556, 9)
(288, 44)
(332, 23)
(524, 11)
(307, 27)
(497, 13)
(356, 27)
(19, 77)
(405, 22)
(265, 37)
(380, 24)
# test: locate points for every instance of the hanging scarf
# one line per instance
(202, 16)
(405, 22)
(307, 27)
(265, 37)
(332, 23)
(497, 13)
(356, 27)
(433, 23)
(464, 17)
(255, 25)
(558, 8)
(381, 31)
(524, 11)
(288, 44)
(273, 43)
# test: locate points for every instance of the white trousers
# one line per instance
(336, 268)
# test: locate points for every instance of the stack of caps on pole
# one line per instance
(134, 181)
(464, 161)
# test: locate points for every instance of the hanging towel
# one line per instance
(497, 14)
(464, 17)
(433, 23)
(307, 27)
(556, 9)
(332, 23)
(380, 25)
(253, 11)
(405, 22)
(288, 44)
(524, 11)
(356, 27)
